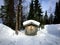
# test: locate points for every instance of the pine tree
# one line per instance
(38, 11)
(46, 18)
(51, 19)
(57, 13)
(31, 11)
(9, 6)
(35, 12)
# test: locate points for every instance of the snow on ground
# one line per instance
(47, 36)
(53, 29)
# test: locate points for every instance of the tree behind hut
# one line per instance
(35, 12)
(31, 11)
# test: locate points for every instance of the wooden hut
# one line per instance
(31, 27)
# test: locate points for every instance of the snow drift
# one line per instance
(43, 37)
(5, 31)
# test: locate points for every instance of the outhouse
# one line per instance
(31, 27)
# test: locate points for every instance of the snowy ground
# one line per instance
(47, 36)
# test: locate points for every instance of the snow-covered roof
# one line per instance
(31, 22)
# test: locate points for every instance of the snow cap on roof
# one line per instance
(31, 22)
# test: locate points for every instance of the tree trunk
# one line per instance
(17, 20)
(20, 14)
